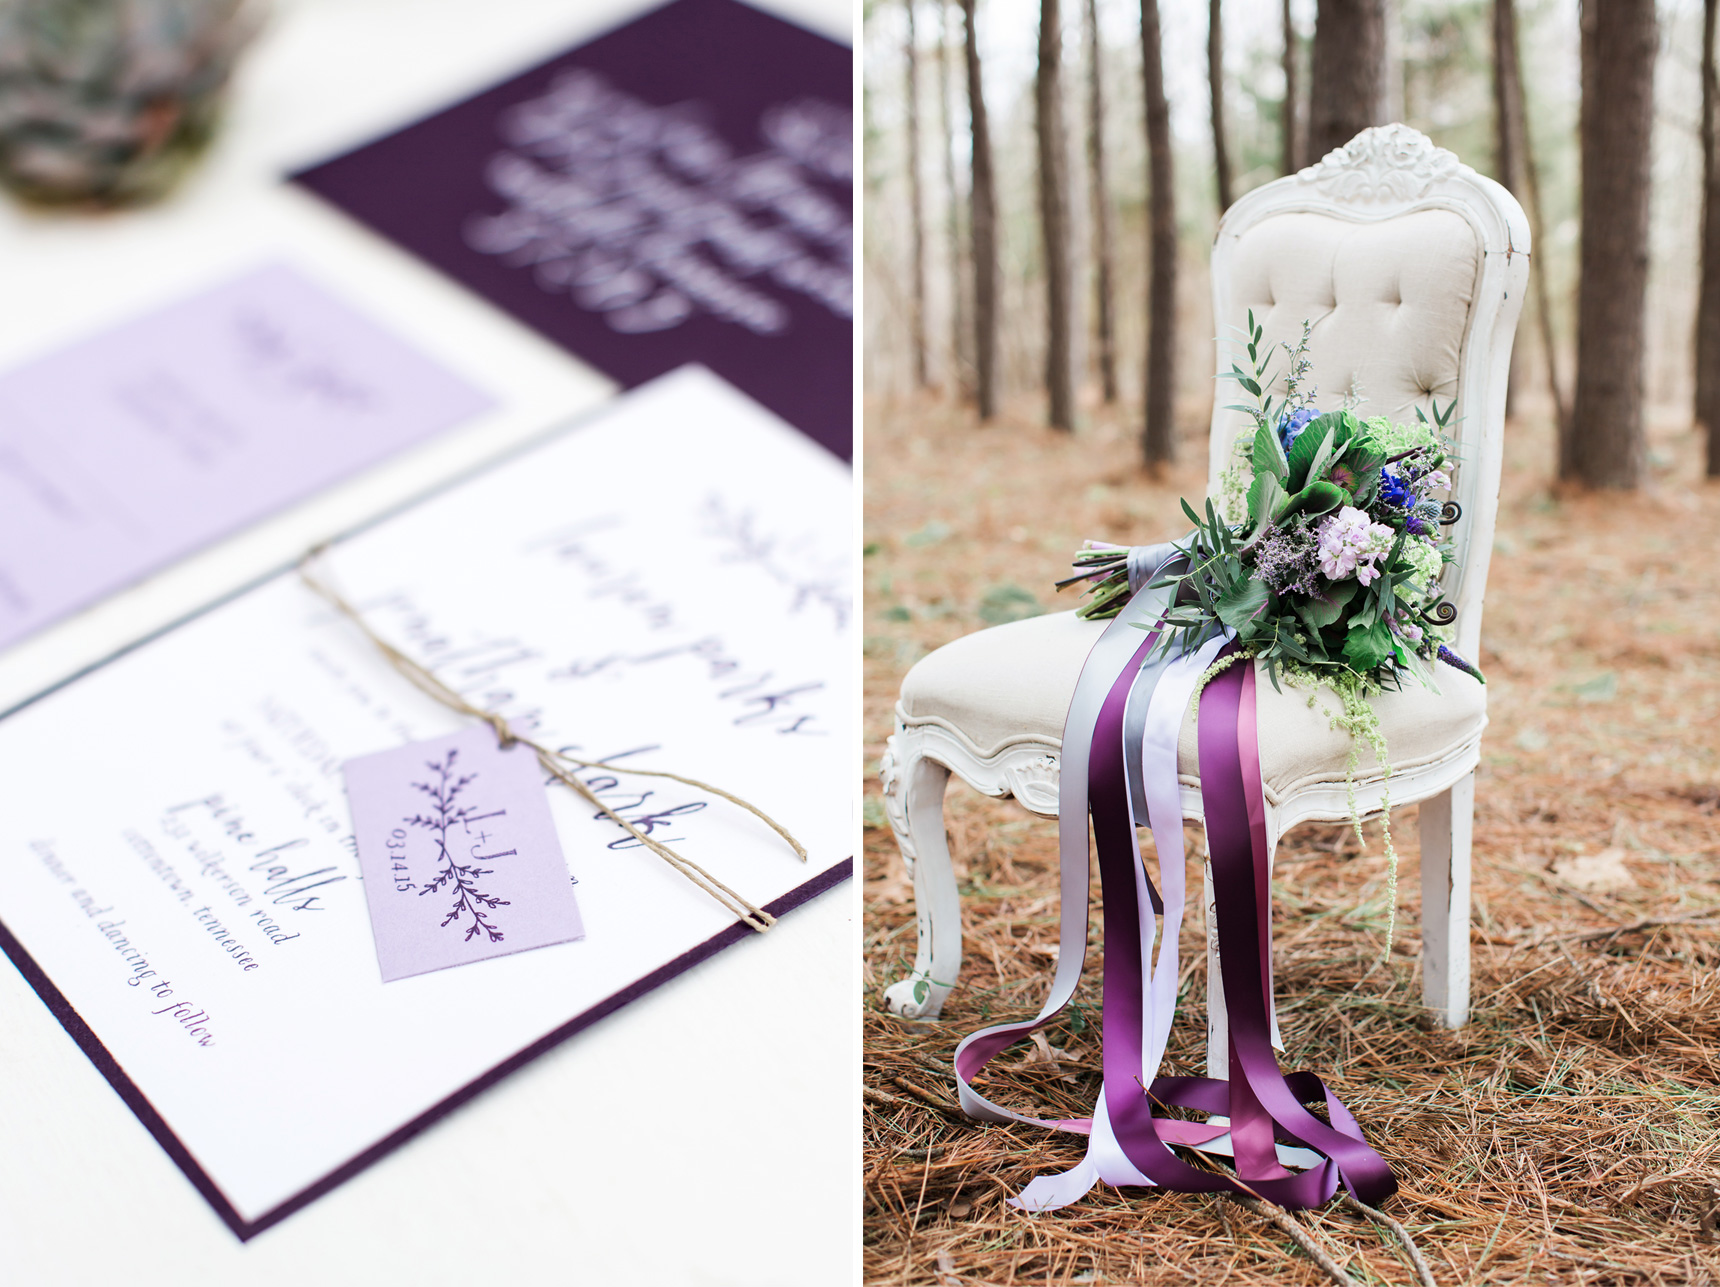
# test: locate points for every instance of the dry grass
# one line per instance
(1569, 1134)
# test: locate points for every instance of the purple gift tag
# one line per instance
(679, 190)
(460, 858)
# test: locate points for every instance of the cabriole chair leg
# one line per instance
(914, 801)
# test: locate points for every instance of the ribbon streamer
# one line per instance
(1119, 765)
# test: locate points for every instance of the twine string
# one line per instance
(558, 763)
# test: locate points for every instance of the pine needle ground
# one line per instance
(1569, 1134)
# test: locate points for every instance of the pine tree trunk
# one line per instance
(1506, 129)
(1348, 75)
(1620, 38)
(1537, 238)
(1215, 84)
(1708, 304)
(1290, 155)
(1505, 71)
(1102, 254)
(961, 359)
(1158, 441)
(916, 218)
(1054, 217)
(983, 225)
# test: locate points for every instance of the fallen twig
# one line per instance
(1589, 936)
(1299, 1235)
(1423, 1274)
(1642, 1186)
(928, 1099)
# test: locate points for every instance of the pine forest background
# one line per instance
(1439, 80)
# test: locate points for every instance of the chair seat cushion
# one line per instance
(1011, 684)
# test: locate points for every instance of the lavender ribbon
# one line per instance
(1258, 1105)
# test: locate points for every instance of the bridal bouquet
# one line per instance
(1328, 558)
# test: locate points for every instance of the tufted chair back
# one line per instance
(1408, 266)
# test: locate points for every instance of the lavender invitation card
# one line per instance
(125, 452)
(665, 586)
(677, 190)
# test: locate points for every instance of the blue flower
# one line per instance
(1292, 423)
(1394, 491)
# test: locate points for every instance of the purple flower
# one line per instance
(1350, 544)
(1285, 561)
(1292, 423)
(1415, 525)
(1457, 663)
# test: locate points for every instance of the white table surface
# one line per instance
(566, 1172)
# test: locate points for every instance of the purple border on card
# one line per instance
(726, 64)
(138, 1102)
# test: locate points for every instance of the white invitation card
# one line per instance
(663, 586)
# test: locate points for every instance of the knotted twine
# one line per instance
(559, 764)
(1129, 698)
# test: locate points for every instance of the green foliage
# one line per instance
(1317, 498)
(1319, 442)
(1322, 610)
(1241, 603)
(1269, 455)
(1267, 501)
(108, 102)
(1366, 647)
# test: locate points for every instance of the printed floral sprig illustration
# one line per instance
(462, 879)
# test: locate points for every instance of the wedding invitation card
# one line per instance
(664, 586)
(677, 190)
(127, 451)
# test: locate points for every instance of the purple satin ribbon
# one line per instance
(1264, 1105)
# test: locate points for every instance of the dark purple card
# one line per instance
(676, 191)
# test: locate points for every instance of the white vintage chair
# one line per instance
(1411, 268)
